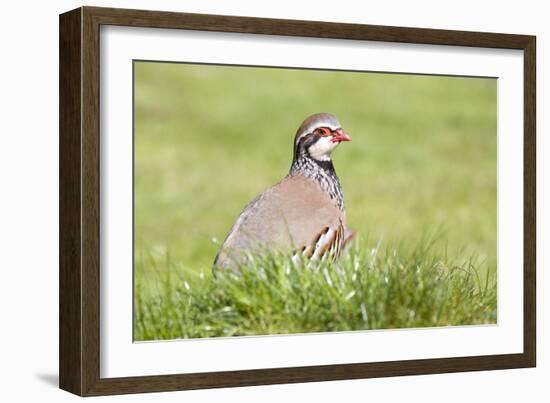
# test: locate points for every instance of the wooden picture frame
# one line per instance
(79, 348)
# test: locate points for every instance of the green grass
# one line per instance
(208, 139)
(382, 287)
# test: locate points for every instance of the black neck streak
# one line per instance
(327, 165)
(321, 171)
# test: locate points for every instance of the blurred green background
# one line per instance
(208, 139)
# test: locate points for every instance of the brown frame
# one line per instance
(79, 201)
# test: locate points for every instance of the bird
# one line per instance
(303, 214)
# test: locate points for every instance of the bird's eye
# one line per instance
(323, 131)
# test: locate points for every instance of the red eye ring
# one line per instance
(323, 131)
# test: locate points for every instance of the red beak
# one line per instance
(340, 136)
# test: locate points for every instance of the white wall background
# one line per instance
(29, 198)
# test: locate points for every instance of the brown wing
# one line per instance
(291, 215)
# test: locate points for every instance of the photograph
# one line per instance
(274, 200)
(250, 200)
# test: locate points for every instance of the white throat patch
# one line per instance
(322, 149)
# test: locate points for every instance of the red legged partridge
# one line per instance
(304, 213)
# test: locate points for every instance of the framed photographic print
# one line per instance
(249, 201)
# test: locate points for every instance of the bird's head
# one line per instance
(318, 136)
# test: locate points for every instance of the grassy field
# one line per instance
(209, 138)
(378, 288)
